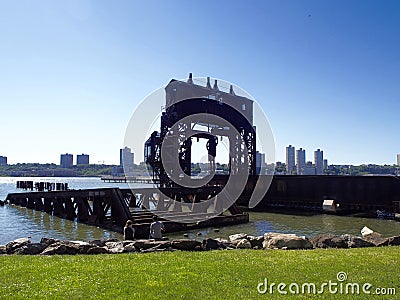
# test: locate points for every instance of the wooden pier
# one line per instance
(129, 179)
(110, 208)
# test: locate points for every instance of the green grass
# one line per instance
(194, 275)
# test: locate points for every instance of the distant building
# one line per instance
(260, 162)
(3, 161)
(66, 160)
(398, 159)
(309, 169)
(319, 162)
(117, 171)
(290, 160)
(82, 159)
(301, 161)
(325, 164)
(126, 160)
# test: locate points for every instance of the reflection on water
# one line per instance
(22, 222)
(16, 222)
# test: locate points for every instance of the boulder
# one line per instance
(115, 247)
(3, 249)
(102, 243)
(147, 244)
(366, 231)
(61, 248)
(339, 242)
(127, 242)
(98, 243)
(211, 244)
(81, 246)
(356, 242)
(243, 244)
(12, 246)
(286, 241)
(48, 241)
(328, 240)
(394, 240)
(186, 244)
(256, 241)
(130, 247)
(377, 239)
(237, 237)
(98, 250)
(31, 249)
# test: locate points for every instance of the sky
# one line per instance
(326, 73)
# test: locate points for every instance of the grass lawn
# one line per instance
(223, 274)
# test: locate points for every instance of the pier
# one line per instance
(129, 179)
(110, 208)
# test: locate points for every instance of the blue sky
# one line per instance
(326, 73)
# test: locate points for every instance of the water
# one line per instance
(16, 222)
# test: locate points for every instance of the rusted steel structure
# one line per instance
(110, 208)
(354, 194)
(184, 119)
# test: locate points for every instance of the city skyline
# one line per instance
(324, 73)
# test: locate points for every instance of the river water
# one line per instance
(16, 222)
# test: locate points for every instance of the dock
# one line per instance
(129, 179)
(110, 208)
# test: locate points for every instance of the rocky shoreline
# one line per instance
(268, 241)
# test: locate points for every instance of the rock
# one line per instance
(83, 247)
(356, 242)
(3, 249)
(211, 244)
(110, 240)
(328, 241)
(256, 241)
(236, 237)
(12, 246)
(115, 247)
(48, 241)
(127, 242)
(287, 241)
(377, 239)
(98, 243)
(102, 243)
(216, 230)
(243, 244)
(31, 248)
(366, 231)
(61, 248)
(130, 247)
(98, 250)
(394, 241)
(147, 244)
(339, 242)
(185, 235)
(185, 244)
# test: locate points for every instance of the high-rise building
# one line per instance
(325, 164)
(301, 161)
(82, 159)
(126, 159)
(319, 162)
(290, 160)
(398, 159)
(260, 162)
(66, 160)
(3, 161)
